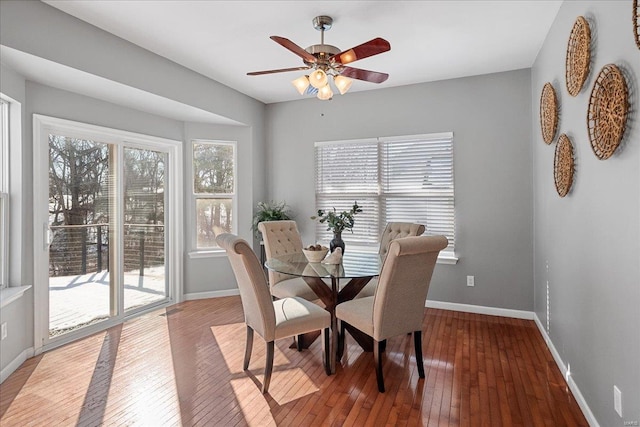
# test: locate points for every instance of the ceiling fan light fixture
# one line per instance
(301, 84)
(325, 93)
(342, 83)
(318, 78)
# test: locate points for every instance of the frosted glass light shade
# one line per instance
(301, 83)
(318, 79)
(342, 83)
(325, 93)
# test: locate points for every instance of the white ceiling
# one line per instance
(430, 40)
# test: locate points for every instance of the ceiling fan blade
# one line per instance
(366, 75)
(288, 44)
(365, 50)
(281, 70)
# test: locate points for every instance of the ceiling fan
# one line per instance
(327, 60)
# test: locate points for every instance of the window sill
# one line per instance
(449, 258)
(207, 254)
(11, 294)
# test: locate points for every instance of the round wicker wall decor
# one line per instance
(578, 56)
(636, 21)
(548, 113)
(563, 165)
(607, 114)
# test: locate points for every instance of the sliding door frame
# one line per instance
(42, 127)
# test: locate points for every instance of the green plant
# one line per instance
(336, 221)
(270, 211)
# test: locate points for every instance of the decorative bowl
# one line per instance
(317, 255)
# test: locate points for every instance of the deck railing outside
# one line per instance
(82, 249)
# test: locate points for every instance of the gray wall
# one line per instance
(490, 118)
(37, 29)
(590, 238)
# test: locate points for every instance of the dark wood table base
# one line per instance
(330, 297)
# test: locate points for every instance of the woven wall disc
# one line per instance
(548, 113)
(607, 114)
(636, 21)
(578, 56)
(563, 165)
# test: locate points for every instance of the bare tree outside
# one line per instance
(78, 195)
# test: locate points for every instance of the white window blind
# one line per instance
(407, 179)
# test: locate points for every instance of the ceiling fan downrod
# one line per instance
(322, 51)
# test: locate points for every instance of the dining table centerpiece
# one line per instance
(337, 222)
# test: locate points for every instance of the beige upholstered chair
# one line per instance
(397, 307)
(282, 238)
(272, 320)
(393, 230)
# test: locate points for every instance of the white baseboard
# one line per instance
(15, 363)
(479, 309)
(591, 419)
(210, 294)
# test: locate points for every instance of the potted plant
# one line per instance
(337, 222)
(270, 211)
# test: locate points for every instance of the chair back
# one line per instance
(280, 238)
(399, 301)
(397, 230)
(256, 299)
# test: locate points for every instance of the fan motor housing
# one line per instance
(323, 52)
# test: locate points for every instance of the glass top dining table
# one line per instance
(353, 265)
(358, 268)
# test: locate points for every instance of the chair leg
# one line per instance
(377, 359)
(341, 342)
(248, 348)
(326, 350)
(299, 339)
(268, 369)
(417, 339)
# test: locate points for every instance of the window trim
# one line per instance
(5, 205)
(195, 252)
(445, 257)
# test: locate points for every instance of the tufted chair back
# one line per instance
(256, 299)
(280, 238)
(398, 305)
(396, 230)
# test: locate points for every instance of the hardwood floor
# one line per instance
(183, 366)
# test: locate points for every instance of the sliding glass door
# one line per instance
(106, 228)
(144, 228)
(80, 203)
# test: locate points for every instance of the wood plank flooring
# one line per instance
(183, 366)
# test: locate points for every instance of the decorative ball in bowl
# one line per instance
(315, 253)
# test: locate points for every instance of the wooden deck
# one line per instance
(183, 366)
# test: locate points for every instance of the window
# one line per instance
(4, 194)
(214, 189)
(408, 179)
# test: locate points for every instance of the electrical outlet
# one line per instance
(3, 330)
(617, 400)
(471, 281)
